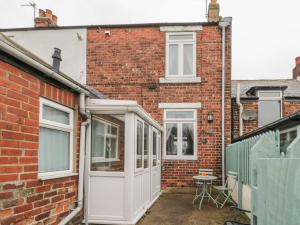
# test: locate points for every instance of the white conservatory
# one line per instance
(123, 162)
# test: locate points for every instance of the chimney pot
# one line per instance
(56, 59)
(41, 13)
(213, 11)
(296, 70)
(45, 19)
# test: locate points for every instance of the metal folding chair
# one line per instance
(225, 190)
(199, 183)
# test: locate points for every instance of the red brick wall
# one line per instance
(248, 126)
(289, 107)
(124, 64)
(23, 198)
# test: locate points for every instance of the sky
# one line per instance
(266, 33)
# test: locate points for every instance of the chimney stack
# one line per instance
(213, 11)
(45, 19)
(56, 59)
(296, 70)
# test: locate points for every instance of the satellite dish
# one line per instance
(249, 115)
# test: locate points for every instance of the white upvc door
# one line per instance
(107, 190)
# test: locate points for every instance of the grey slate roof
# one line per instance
(292, 90)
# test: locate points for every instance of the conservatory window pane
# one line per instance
(188, 139)
(171, 138)
(154, 149)
(173, 59)
(146, 146)
(54, 150)
(139, 145)
(107, 153)
(98, 142)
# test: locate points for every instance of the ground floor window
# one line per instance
(180, 134)
(286, 138)
(55, 138)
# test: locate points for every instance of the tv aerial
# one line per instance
(33, 5)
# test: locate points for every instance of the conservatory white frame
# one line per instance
(122, 197)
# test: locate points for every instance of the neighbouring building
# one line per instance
(41, 41)
(263, 101)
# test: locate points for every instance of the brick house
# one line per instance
(142, 68)
(180, 73)
(264, 101)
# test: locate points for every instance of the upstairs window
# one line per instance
(181, 54)
(269, 107)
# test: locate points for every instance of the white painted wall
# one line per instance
(43, 42)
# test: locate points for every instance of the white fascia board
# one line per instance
(106, 106)
(195, 105)
(180, 28)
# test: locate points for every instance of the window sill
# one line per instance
(55, 176)
(179, 80)
(192, 158)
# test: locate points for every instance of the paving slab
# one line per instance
(177, 209)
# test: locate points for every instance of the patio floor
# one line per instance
(177, 209)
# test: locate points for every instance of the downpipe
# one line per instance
(241, 108)
(83, 136)
(223, 24)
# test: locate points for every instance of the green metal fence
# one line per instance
(274, 179)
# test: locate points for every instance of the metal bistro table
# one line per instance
(204, 193)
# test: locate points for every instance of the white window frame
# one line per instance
(58, 126)
(158, 148)
(179, 123)
(289, 130)
(104, 159)
(263, 98)
(149, 149)
(180, 43)
(135, 152)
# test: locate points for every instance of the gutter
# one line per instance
(13, 51)
(241, 108)
(223, 24)
(283, 122)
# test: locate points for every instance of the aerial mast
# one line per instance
(33, 5)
